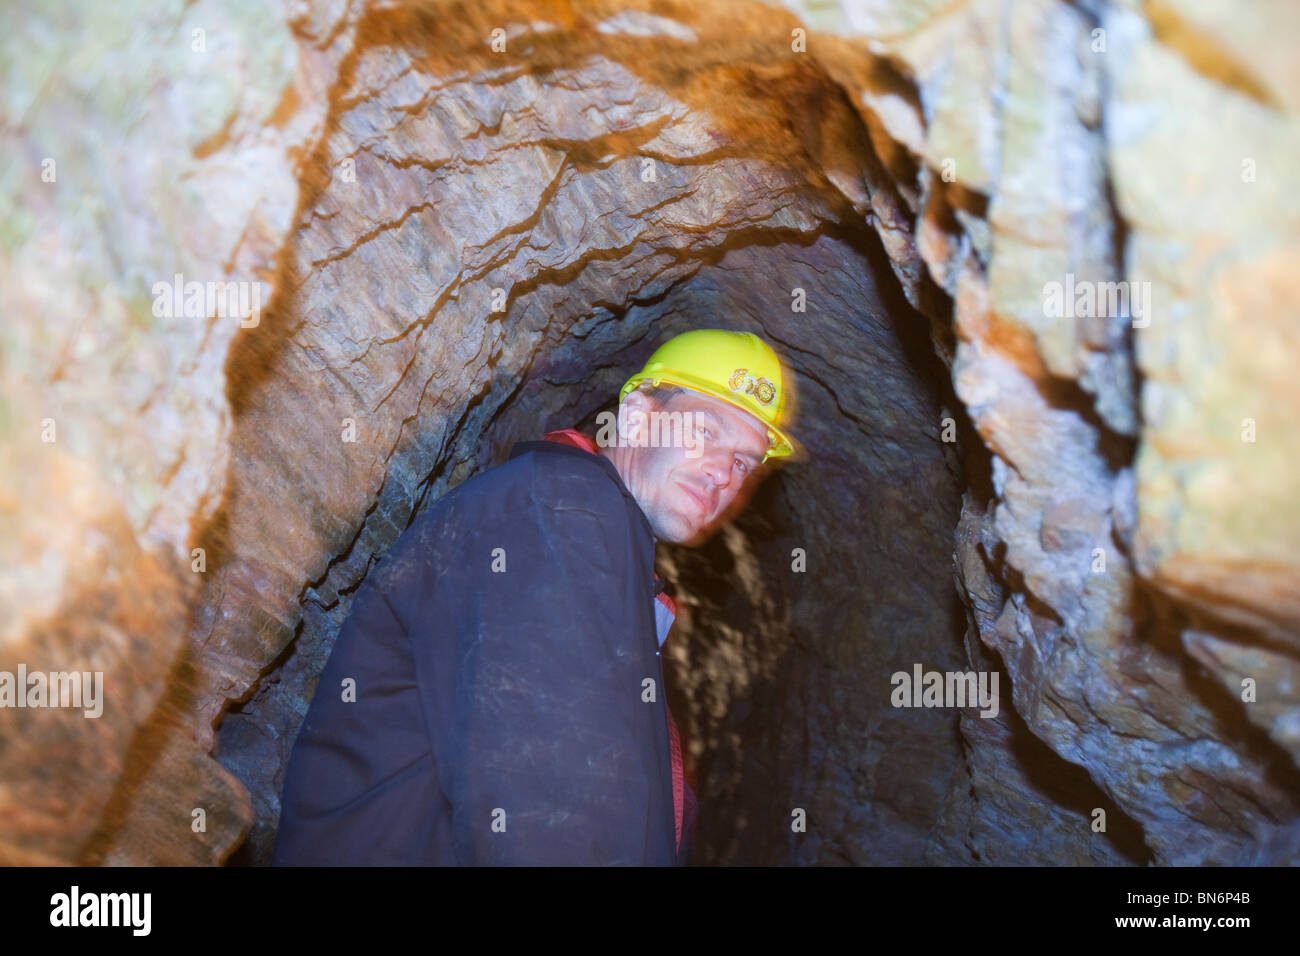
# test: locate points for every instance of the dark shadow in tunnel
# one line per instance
(1070, 787)
(1232, 726)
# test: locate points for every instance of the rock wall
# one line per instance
(464, 239)
(1144, 539)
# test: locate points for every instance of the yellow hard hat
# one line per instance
(737, 367)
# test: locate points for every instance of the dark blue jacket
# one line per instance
(507, 717)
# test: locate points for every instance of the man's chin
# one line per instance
(696, 536)
(686, 534)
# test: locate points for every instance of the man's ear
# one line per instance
(633, 412)
(637, 398)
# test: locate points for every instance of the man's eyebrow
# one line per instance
(722, 426)
(756, 456)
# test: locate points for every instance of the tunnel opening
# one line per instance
(779, 677)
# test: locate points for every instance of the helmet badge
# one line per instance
(742, 383)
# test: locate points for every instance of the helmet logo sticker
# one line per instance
(742, 383)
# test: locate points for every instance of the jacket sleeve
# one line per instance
(360, 781)
(552, 756)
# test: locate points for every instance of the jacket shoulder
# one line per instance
(537, 478)
(535, 484)
(573, 480)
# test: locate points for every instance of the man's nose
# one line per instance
(717, 465)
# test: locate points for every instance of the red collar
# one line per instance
(571, 436)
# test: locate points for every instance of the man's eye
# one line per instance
(705, 431)
(743, 467)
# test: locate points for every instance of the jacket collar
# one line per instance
(560, 448)
(574, 439)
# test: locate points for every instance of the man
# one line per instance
(496, 693)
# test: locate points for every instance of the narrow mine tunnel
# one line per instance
(761, 651)
(496, 212)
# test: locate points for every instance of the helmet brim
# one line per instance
(781, 443)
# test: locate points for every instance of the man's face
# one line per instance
(689, 488)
